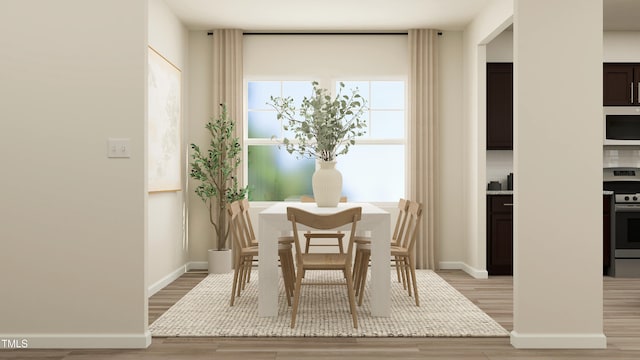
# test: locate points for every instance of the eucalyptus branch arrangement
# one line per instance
(323, 127)
(215, 170)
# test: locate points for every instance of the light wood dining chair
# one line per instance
(402, 253)
(244, 207)
(317, 261)
(246, 253)
(253, 241)
(309, 236)
(360, 265)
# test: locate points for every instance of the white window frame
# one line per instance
(331, 85)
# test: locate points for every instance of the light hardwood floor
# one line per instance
(494, 296)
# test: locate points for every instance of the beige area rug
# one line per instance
(324, 311)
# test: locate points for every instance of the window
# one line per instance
(374, 168)
(272, 173)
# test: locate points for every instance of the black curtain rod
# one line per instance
(320, 33)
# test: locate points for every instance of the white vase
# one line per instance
(327, 184)
(219, 261)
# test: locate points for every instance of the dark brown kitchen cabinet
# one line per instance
(499, 106)
(621, 84)
(500, 234)
(606, 233)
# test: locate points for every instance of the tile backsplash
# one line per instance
(499, 165)
(620, 156)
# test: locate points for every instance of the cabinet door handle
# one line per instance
(507, 204)
(632, 92)
(638, 92)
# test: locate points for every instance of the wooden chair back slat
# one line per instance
(246, 218)
(324, 222)
(414, 214)
(237, 226)
(401, 220)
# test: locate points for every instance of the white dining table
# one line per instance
(272, 223)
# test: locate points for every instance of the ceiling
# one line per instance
(357, 15)
(326, 15)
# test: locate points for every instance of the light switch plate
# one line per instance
(118, 148)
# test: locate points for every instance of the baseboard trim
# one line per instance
(160, 284)
(75, 341)
(459, 265)
(558, 341)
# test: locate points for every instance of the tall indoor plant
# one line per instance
(323, 127)
(218, 186)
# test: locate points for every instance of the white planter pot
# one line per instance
(327, 184)
(219, 261)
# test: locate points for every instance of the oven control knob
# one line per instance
(635, 198)
(626, 198)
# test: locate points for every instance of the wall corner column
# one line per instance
(558, 174)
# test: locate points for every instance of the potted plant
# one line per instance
(215, 169)
(323, 127)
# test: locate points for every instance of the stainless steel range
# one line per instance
(625, 224)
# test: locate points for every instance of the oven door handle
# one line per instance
(626, 208)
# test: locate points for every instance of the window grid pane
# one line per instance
(263, 124)
(385, 107)
(373, 173)
(259, 93)
(275, 175)
(387, 95)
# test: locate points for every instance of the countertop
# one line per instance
(510, 192)
(499, 192)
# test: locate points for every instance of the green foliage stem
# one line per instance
(323, 127)
(215, 169)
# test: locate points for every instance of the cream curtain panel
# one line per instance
(227, 79)
(227, 74)
(423, 95)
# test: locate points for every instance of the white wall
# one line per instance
(485, 27)
(168, 250)
(558, 202)
(74, 221)
(618, 46)
(500, 49)
(451, 251)
(332, 56)
(200, 231)
(621, 46)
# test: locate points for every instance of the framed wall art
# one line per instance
(164, 124)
